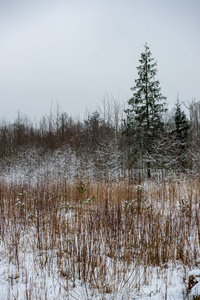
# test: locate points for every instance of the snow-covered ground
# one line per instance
(29, 273)
(35, 276)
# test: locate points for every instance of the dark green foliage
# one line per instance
(182, 127)
(182, 124)
(144, 117)
(147, 103)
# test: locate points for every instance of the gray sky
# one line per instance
(73, 53)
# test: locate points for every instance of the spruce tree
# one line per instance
(182, 123)
(182, 127)
(144, 117)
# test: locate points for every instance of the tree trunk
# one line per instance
(148, 170)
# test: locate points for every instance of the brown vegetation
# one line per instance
(100, 233)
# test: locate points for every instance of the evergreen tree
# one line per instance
(182, 123)
(182, 127)
(144, 118)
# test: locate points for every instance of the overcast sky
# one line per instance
(73, 53)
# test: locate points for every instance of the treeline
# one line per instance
(102, 136)
(56, 130)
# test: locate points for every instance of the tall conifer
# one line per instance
(144, 117)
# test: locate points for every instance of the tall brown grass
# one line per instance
(101, 234)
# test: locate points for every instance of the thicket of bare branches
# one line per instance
(100, 137)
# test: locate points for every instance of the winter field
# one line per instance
(66, 235)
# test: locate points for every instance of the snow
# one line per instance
(195, 291)
(33, 274)
(195, 273)
(36, 276)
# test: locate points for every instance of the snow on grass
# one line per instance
(109, 240)
(36, 276)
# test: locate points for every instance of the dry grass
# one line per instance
(106, 236)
